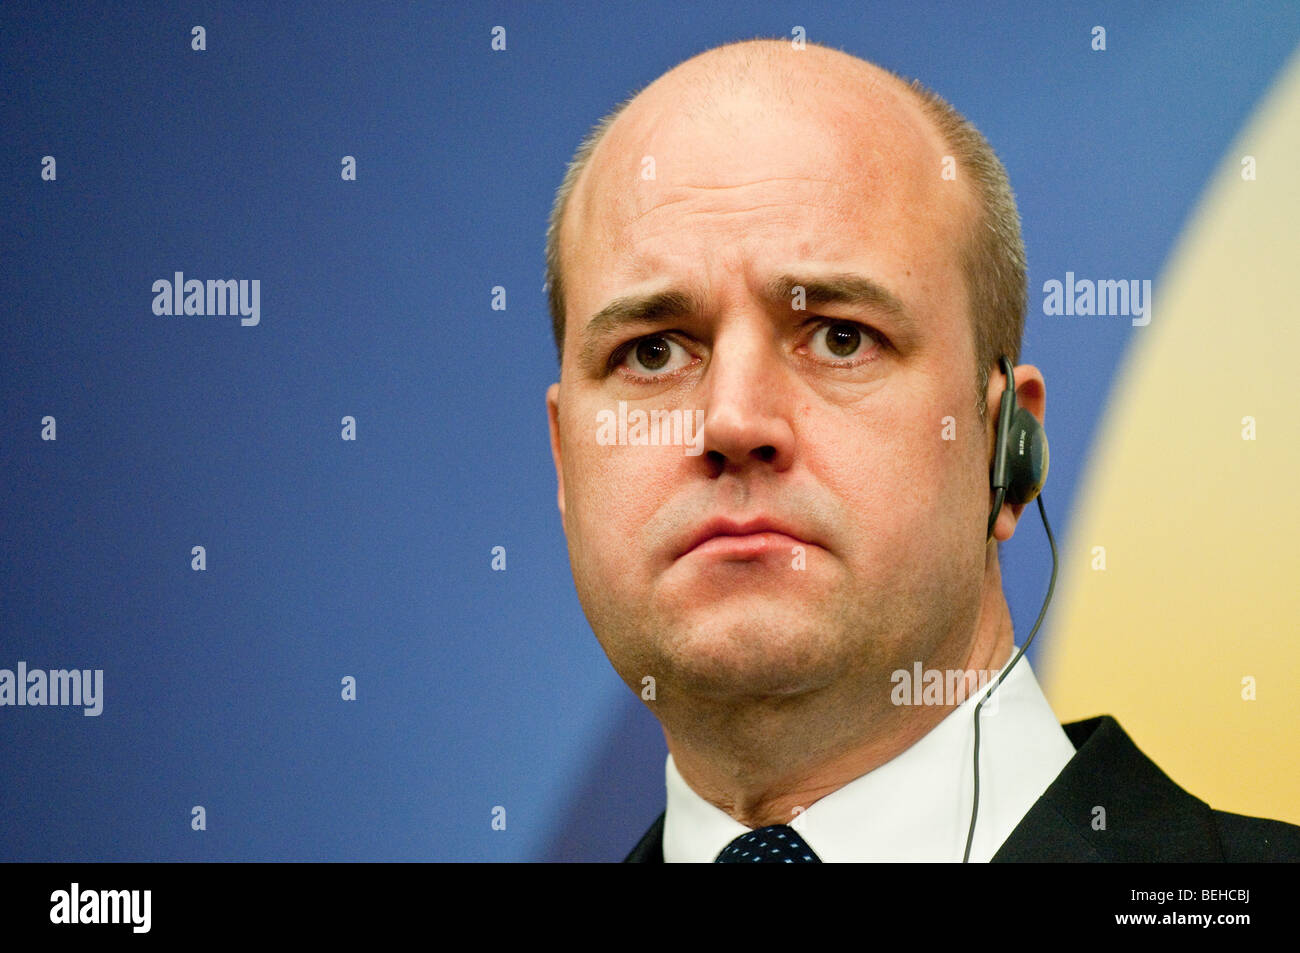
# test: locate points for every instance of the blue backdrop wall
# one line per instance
(372, 558)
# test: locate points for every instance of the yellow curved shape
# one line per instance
(1200, 595)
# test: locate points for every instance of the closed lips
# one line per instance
(731, 527)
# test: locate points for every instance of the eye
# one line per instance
(842, 341)
(655, 355)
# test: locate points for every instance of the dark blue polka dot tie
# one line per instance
(778, 844)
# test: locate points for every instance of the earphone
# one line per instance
(1020, 451)
(1017, 476)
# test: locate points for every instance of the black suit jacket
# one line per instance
(1148, 817)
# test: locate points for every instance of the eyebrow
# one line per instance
(843, 288)
(636, 309)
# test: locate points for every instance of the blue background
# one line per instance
(372, 558)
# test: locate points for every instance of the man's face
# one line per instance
(827, 422)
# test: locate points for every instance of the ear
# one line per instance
(553, 414)
(1031, 394)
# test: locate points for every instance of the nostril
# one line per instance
(767, 453)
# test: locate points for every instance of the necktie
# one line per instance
(778, 844)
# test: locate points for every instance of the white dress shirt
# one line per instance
(916, 807)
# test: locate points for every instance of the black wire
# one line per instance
(993, 514)
(974, 811)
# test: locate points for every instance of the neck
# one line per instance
(763, 761)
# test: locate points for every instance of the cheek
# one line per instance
(904, 486)
(611, 495)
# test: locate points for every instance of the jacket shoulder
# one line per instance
(1257, 839)
(1111, 803)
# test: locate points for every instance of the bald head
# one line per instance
(706, 122)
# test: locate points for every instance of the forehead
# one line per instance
(838, 164)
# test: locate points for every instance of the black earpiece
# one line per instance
(1020, 452)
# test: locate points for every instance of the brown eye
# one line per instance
(653, 353)
(843, 339)
(846, 343)
(655, 357)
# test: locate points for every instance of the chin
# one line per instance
(754, 653)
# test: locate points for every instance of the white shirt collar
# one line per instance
(917, 806)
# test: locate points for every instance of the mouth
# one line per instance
(743, 539)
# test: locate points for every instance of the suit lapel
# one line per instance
(650, 849)
(1111, 803)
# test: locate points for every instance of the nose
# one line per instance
(748, 405)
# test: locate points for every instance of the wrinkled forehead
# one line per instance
(857, 129)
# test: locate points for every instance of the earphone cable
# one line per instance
(974, 811)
